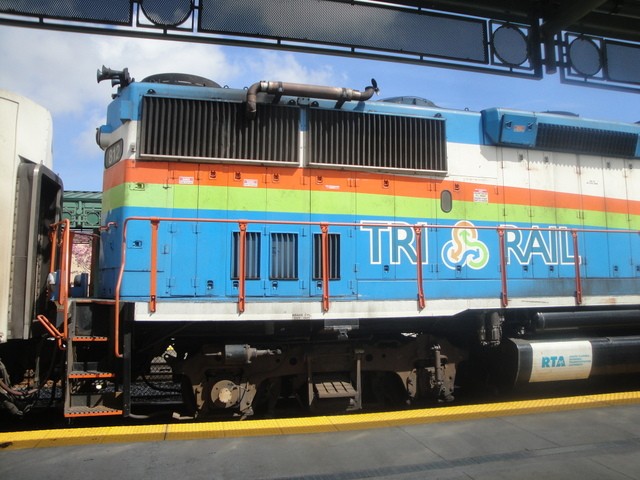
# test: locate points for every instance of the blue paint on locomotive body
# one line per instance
(378, 259)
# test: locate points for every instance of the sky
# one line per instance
(58, 71)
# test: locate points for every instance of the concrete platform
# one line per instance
(589, 437)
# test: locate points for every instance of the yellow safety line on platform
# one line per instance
(292, 426)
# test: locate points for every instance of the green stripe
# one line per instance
(349, 203)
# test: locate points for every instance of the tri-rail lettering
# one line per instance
(395, 242)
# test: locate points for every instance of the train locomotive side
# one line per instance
(302, 242)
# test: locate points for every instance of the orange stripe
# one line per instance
(289, 178)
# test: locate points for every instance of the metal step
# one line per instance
(338, 389)
(90, 374)
(87, 338)
(99, 411)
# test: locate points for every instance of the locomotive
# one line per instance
(303, 242)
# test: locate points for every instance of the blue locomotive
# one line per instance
(304, 242)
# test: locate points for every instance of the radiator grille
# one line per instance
(284, 256)
(217, 130)
(376, 141)
(586, 140)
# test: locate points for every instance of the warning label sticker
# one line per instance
(480, 195)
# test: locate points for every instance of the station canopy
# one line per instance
(589, 42)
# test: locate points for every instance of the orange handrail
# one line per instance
(576, 262)
(324, 226)
(153, 287)
(421, 300)
(53, 331)
(504, 295)
(64, 244)
(242, 260)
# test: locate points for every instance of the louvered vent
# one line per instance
(198, 129)
(590, 141)
(284, 256)
(376, 141)
(252, 256)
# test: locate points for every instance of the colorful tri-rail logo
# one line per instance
(465, 248)
(396, 243)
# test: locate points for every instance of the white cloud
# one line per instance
(58, 70)
(276, 66)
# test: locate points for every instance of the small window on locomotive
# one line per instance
(284, 256)
(252, 256)
(446, 201)
(334, 256)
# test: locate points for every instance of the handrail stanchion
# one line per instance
(65, 274)
(576, 262)
(504, 295)
(53, 236)
(421, 300)
(242, 265)
(62, 263)
(53, 331)
(153, 287)
(325, 266)
(116, 317)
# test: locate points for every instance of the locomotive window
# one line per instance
(252, 257)
(284, 256)
(334, 256)
(446, 201)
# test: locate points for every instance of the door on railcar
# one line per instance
(375, 215)
(568, 208)
(247, 200)
(468, 207)
(594, 260)
(615, 176)
(516, 187)
(332, 200)
(415, 205)
(286, 253)
(145, 192)
(543, 238)
(182, 247)
(633, 204)
(213, 244)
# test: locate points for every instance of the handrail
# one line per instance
(242, 257)
(504, 296)
(64, 244)
(576, 262)
(53, 331)
(153, 287)
(324, 228)
(421, 299)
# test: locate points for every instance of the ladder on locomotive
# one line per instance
(93, 386)
(93, 380)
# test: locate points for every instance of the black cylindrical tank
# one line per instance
(547, 361)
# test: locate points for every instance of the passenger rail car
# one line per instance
(30, 195)
(295, 241)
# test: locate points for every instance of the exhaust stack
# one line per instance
(341, 95)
